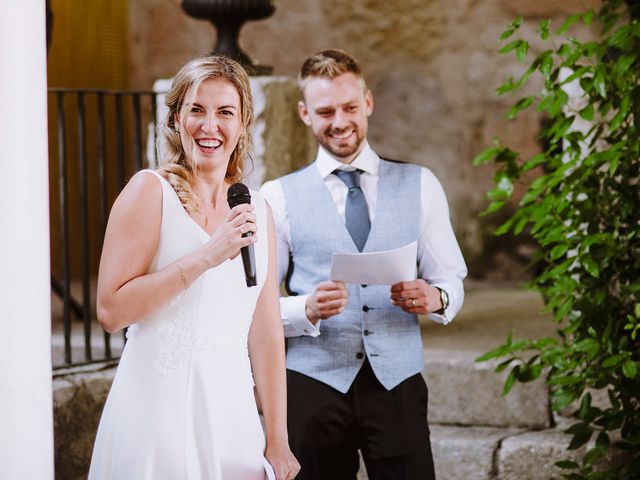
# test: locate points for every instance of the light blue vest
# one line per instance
(370, 325)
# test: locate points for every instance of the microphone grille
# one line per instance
(237, 194)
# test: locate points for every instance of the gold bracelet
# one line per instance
(183, 276)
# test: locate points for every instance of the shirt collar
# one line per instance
(367, 161)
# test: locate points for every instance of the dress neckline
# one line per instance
(166, 183)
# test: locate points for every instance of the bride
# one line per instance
(182, 405)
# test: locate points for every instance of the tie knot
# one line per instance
(350, 179)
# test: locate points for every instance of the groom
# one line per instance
(355, 353)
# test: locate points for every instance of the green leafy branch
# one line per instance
(581, 208)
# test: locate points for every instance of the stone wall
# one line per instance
(433, 67)
(78, 398)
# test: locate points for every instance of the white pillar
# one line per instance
(26, 420)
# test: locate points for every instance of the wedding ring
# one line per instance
(413, 302)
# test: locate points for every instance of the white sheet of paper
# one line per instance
(376, 268)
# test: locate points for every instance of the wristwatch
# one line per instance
(444, 299)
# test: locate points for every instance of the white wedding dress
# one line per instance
(182, 404)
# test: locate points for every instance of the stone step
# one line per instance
(467, 452)
(482, 453)
(463, 392)
(485, 453)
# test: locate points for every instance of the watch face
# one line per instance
(444, 298)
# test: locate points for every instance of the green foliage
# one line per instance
(583, 209)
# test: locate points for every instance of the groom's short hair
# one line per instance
(329, 64)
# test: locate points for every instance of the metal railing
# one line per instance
(97, 140)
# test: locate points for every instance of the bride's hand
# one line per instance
(227, 240)
(282, 460)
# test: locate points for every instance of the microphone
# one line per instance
(238, 194)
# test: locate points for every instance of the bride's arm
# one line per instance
(126, 292)
(266, 349)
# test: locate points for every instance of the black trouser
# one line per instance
(326, 428)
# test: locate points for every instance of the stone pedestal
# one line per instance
(281, 142)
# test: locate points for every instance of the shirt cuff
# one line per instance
(439, 318)
(294, 317)
(456, 296)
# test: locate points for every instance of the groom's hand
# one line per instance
(329, 299)
(416, 296)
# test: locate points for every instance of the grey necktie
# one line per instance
(356, 210)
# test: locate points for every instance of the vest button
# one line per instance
(359, 355)
(366, 332)
(365, 309)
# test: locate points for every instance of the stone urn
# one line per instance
(228, 17)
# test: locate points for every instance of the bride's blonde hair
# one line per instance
(176, 165)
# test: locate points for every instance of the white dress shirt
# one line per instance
(440, 260)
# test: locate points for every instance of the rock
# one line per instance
(532, 455)
(463, 392)
(465, 453)
(78, 400)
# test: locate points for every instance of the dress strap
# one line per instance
(147, 170)
(163, 181)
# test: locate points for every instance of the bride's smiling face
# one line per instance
(211, 124)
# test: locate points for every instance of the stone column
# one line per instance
(26, 421)
(281, 142)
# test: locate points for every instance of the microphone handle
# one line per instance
(249, 262)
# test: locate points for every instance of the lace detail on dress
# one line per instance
(186, 337)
